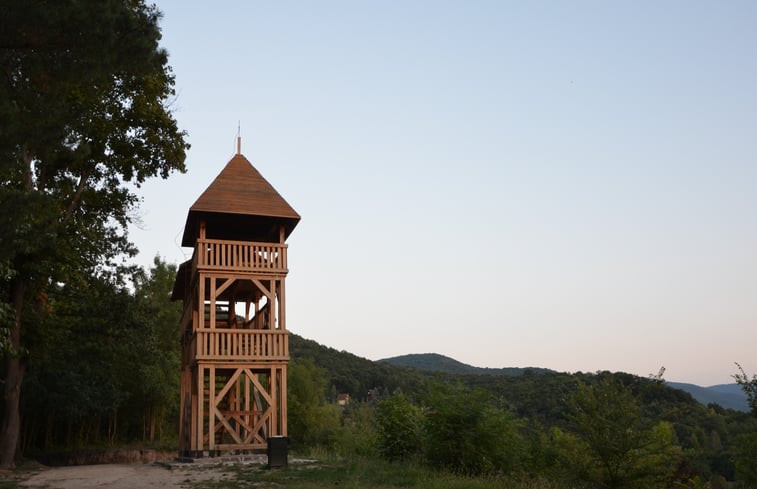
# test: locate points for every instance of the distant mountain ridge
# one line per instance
(729, 396)
(435, 362)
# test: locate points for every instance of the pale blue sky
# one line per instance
(570, 185)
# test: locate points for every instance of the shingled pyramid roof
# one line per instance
(240, 197)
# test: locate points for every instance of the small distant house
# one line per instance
(343, 399)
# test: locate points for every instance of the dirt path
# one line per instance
(136, 476)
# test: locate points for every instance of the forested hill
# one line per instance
(354, 375)
(349, 373)
(725, 395)
(729, 396)
(435, 362)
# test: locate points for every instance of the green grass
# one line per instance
(362, 474)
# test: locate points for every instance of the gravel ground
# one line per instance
(163, 475)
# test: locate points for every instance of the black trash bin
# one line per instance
(278, 447)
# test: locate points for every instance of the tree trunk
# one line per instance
(152, 424)
(14, 375)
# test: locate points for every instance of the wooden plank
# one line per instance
(212, 407)
(225, 423)
(263, 288)
(242, 446)
(223, 287)
(272, 306)
(212, 305)
(200, 415)
(241, 256)
(254, 379)
(264, 418)
(228, 386)
(274, 404)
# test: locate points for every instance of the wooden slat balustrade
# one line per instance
(242, 344)
(241, 255)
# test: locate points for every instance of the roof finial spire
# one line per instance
(239, 137)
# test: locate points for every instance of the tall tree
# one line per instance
(157, 352)
(84, 120)
(624, 448)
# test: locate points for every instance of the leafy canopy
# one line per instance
(84, 120)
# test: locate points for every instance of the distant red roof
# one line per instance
(240, 201)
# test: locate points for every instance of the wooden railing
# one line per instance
(242, 344)
(241, 255)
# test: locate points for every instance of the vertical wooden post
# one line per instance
(282, 306)
(212, 292)
(201, 401)
(272, 306)
(186, 387)
(201, 301)
(247, 419)
(192, 422)
(238, 399)
(212, 409)
(274, 396)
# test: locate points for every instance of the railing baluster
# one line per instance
(212, 253)
(240, 344)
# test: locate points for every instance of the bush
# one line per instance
(468, 434)
(399, 428)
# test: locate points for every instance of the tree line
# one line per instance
(105, 370)
(85, 93)
(573, 430)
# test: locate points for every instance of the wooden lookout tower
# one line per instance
(235, 345)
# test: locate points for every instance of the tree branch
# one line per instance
(76, 199)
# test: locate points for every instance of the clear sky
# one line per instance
(570, 185)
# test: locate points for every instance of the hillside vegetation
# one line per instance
(108, 377)
(434, 362)
(593, 430)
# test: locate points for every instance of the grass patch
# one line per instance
(362, 474)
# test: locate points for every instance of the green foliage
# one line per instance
(156, 354)
(357, 436)
(348, 373)
(361, 473)
(746, 460)
(84, 120)
(617, 446)
(108, 370)
(83, 111)
(466, 432)
(749, 386)
(400, 428)
(75, 382)
(439, 363)
(694, 440)
(312, 421)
